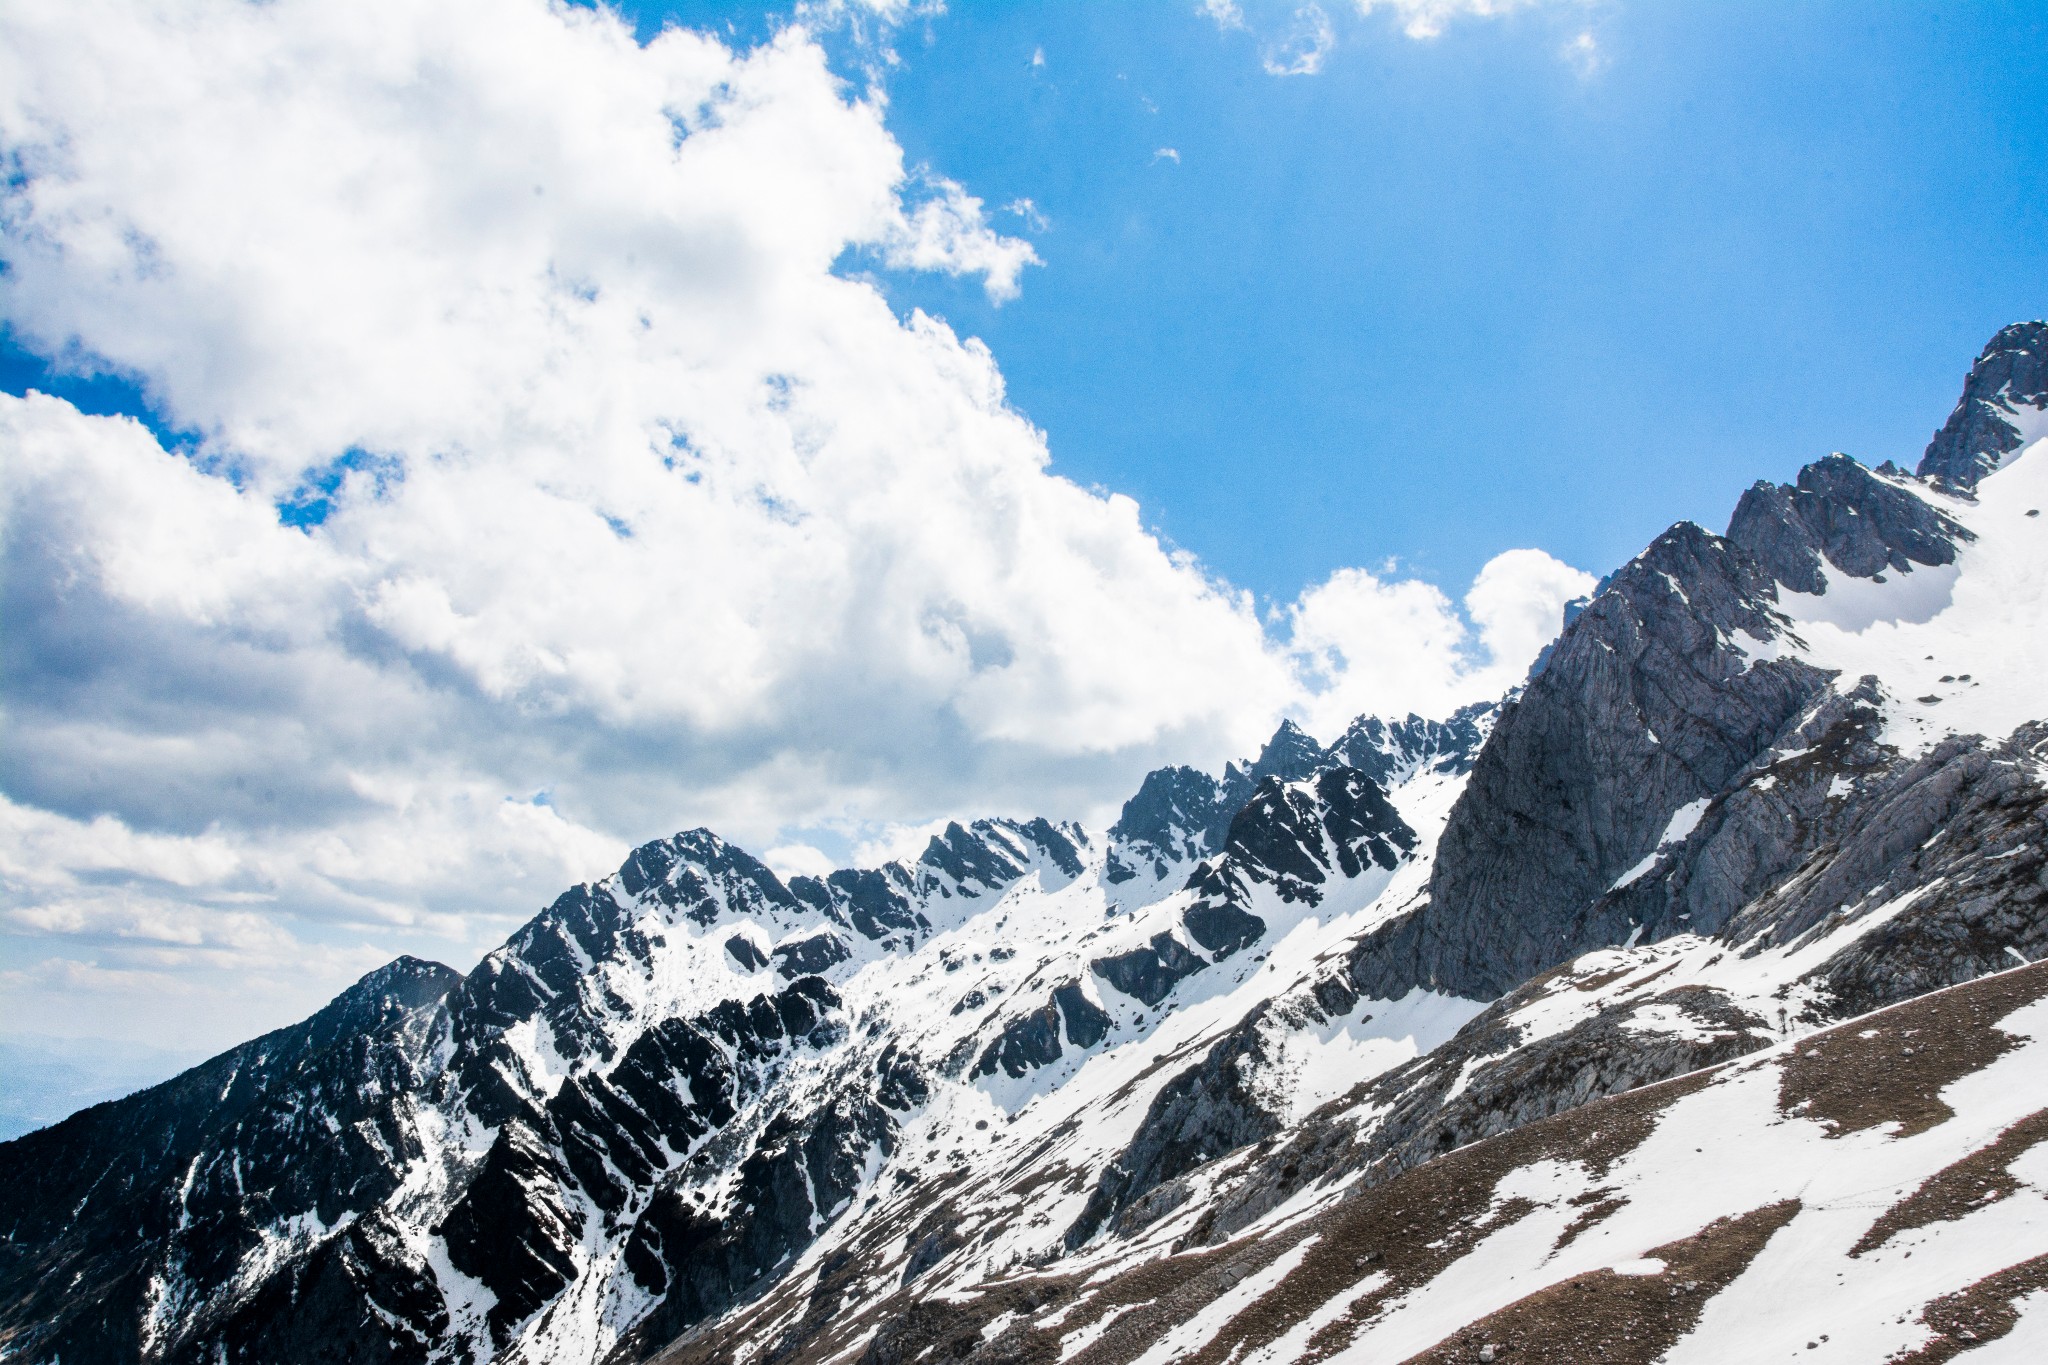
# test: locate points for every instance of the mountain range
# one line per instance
(1680, 1005)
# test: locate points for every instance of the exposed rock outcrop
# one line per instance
(2011, 374)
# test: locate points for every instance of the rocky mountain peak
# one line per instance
(405, 982)
(2000, 409)
(1842, 515)
(1290, 755)
(699, 874)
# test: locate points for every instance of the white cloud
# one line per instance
(1167, 154)
(897, 842)
(1365, 642)
(1296, 39)
(1428, 18)
(1300, 52)
(1225, 12)
(1583, 54)
(798, 860)
(643, 499)
(1517, 601)
(948, 233)
(1027, 211)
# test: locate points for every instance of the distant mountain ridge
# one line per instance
(45, 1078)
(1354, 1051)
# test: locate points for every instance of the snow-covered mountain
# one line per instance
(1663, 1010)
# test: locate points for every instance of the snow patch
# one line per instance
(1683, 822)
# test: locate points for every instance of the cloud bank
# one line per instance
(550, 473)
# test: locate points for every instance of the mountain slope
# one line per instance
(1741, 1211)
(1354, 1050)
(658, 1091)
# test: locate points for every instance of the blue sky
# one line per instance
(1452, 295)
(1447, 296)
(541, 452)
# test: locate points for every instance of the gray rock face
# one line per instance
(820, 952)
(1032, 1040)
(1181, 815)
(1832, 826)
(1148, 973)
(1027, 1042)
(1294, 836)
(742, 950)
(802, 1169)
(1758, 831)
(1169, 821)
(1296, 839)
(1087, 1022)
(1647, 703)
(1841, 513)
(972, 861)
(875, 902)
(1207, 1110)
(990, 855)
(2012, 372)
(609, 1136)
(1221, 927)
(1954, 845)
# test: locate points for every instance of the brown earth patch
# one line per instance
(1666, 968)
(1591, 982)
(1981, 1313)
(1978, 1179)
(1851, 1082)
(1627, 1319)
(1600, 979)
(1410, 1229)
(1414, 1226)
(1595, 1207)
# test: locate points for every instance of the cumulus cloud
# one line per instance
(1371, 642)
(554, 476)
(947, 232)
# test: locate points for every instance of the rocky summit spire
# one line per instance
(1290, 755)
(2009, 379)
